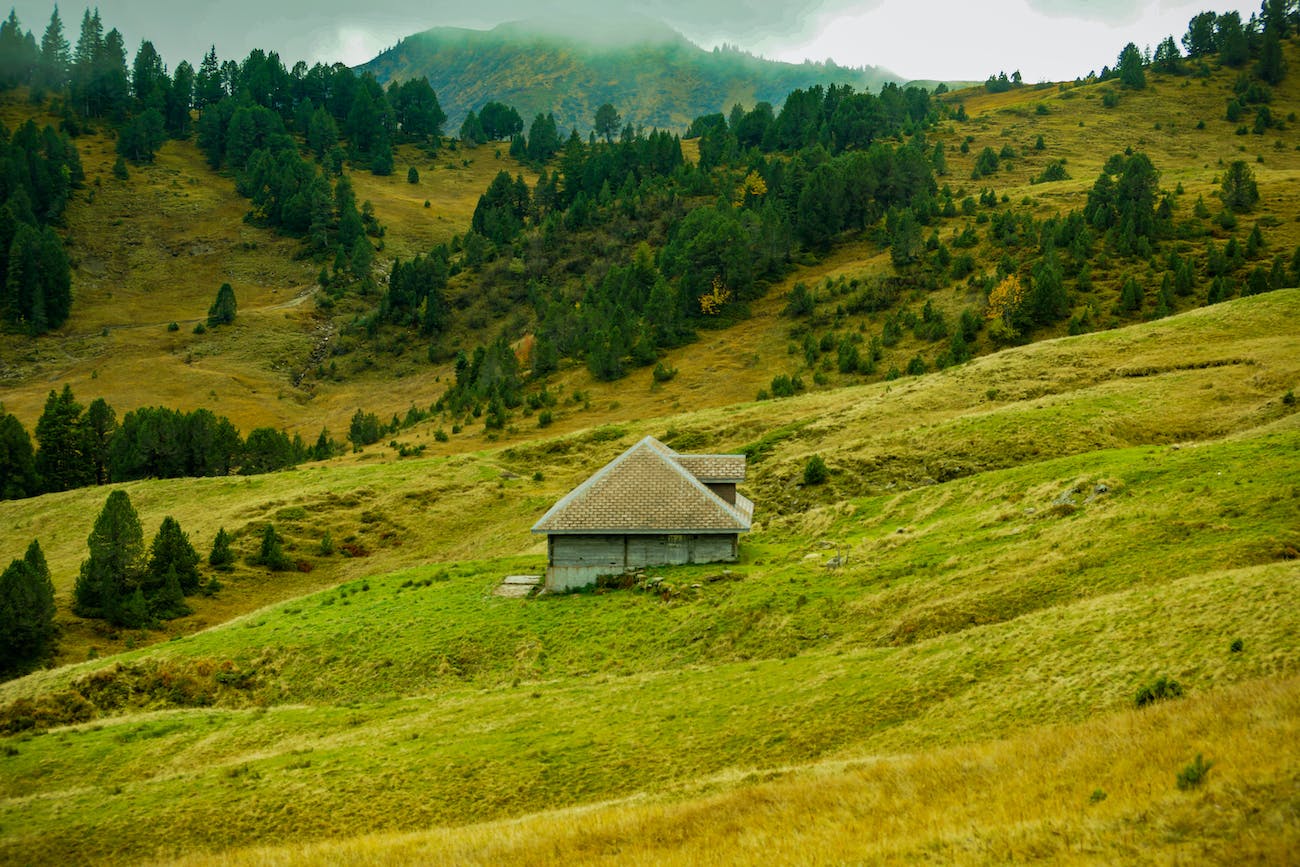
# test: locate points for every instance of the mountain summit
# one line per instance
(653, 75)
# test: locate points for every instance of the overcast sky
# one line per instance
(1044, 39)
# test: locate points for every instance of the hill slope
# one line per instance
(652, 75)
(1118, 507)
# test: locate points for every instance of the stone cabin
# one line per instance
(650, 506)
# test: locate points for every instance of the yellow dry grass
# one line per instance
(1099, 792)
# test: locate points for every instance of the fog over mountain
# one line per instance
(938, 39)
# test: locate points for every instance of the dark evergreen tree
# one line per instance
(56, 55)
(166, 601)
(18, 53)
(149, 80)
(110, 577)
(1271, 68)
(607, 122)
(221, 556)
(61, 460)
(498, 122)
(224, 307)
(97, 428)
(1130, 296)
(1130, 69)
(172, 552)
(322, 132)
(140, 139)
(179, 99)
(27, 629)
(18, 478)
(267, 450)
(1230, 39)
(270, 552)
(471, 130)
(1167, 59)
(418, 115)
(208, 89)
(1238, 189)
(1200, 39)
(543, 138)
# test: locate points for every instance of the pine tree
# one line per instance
(222, 311)
(18, 477)
(56, 55)
(27, 630)
(1238, 189)
(60, 460)
(1130, 68)
(1271, 67)
(221, 557)
(168, 600)
(271, 552)
(98, 426)
(1130, 297)
(171, 551)
(110, 577)
(208, 89)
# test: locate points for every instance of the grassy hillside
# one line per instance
(1030, 539)
(651, 74)
(135, 266)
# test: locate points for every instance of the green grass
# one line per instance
(972, 609)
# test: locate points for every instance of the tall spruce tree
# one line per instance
(109, 583)
(27, 629)
(56, 54)
(61, 460)
(221, 557)
(223, 309)
(171, 551)
(18, 478)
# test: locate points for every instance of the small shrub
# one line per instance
(1097, 796)
(119, 170)
(663, 373)
(1237, 646)
(172, 326)
(412, 175)
(815, 471)
(1194, 774)
(1160, 689)
(544, 418)
(326, 544)
(200, 329)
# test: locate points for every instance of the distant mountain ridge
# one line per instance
(652, 74)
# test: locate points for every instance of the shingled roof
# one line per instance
(713, 468)
(650, 489)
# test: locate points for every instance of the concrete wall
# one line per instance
(577, 561)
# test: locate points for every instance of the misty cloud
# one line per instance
(1109, 11)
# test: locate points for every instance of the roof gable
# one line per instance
(644, 490)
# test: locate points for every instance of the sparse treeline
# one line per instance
(1235, 42)
(79, 446)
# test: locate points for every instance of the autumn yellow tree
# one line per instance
(712, 302)
(752, 187)
(1006, 309)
